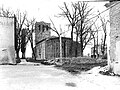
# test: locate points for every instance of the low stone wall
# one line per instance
(83, 60)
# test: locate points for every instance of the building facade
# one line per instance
(114, 37)
(48, 47)
(7, 40)
(42, 31)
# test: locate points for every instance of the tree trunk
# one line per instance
(23, 55)
(94, 49)
(76, 48)
(33, 51)
(23, 42)
(71, 43)
(81, 50)
(23, 52)
(104, 45)
(81, 39)
(81, 46)
(64, 48)
(17, 54)
(60, 38)
(97, 56)
(23, 49)
(17, 57)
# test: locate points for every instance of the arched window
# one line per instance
(47, 27)
(43, 28)
(39, 26)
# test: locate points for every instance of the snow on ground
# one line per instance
(40, 77)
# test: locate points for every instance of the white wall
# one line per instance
(7, 51)
(6, 32)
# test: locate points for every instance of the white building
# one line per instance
(7, 53)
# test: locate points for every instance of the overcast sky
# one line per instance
(42, 10)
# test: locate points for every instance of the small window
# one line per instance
(47, 27)
(43, 28)
(39, 27)
(57, 48)
(40, 53)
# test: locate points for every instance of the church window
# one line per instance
(43, 28)
(39, 27)
(47, 27)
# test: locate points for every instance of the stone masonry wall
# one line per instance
(52, 48)
(115, 37)
(42, 31)
(7, 50)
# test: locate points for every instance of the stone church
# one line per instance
(47, 46)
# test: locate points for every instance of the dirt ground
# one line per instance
(75, 68)
(35, 76)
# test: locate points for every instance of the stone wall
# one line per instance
(7, 55)
(6, 32)
(40, 51)
(42, 31)
(53, 48)
(7, 52)
(114, 49)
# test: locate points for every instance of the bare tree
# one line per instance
(6, 12)
(23, 42)
(104, 28)
(59, 35)
(31, 37)
(94, 34)
(78, 16)
(30, 24)
(77, 35)
(24, 37)
(72, 16)
(96, 44)
(54, 28)
(19, 20)
(83, 26)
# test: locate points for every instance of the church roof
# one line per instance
(51, 38)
